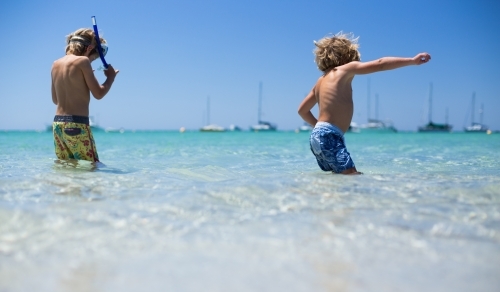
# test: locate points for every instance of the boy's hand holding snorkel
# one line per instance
(110, 72)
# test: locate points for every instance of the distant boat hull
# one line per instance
(234, 128)
(212, 128)
(378, 130)
(432, 127)
(436, 128)
(304, 128)
(263, 127)
(476, 128)
(258, 128)
(353, 128)
(113, 130)
(377, 126)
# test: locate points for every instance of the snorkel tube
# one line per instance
(98, 42)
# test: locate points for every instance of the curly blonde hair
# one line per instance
(78, 41)
(336, 51)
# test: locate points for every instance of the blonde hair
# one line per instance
(78, 41)
(336, 51)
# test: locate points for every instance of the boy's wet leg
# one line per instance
(351, 171)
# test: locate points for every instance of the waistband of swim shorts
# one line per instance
(329, 126)
(72, 119)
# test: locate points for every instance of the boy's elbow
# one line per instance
(98, 96)
(381, 64)
(99, 92)
(303, 113)
(300, 111)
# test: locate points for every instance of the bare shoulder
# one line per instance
(351, 66)
(349, 70)
(72, 59)
(317, 85)
(81, 60)
(82, 63)
(320, 79)
(58, 65)
(59, 61)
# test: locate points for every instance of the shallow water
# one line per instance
(251, 212)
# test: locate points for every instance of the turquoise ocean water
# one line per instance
(242, 211)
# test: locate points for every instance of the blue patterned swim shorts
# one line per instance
(327, 144)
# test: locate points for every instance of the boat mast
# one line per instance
(208, 110)
(368, 98)
(473, 105)
(481, 114)
(376, 106)
(260, 101)
(430, 103)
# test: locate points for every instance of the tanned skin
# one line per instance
(333, 92)
(73, 80)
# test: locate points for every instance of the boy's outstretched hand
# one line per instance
(421, 58)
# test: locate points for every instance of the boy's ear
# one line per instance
(90, 48)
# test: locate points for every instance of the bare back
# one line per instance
(333, 93)
(69, 90)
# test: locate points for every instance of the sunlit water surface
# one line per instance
(251, 212)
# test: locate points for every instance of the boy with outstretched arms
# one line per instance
(72, 82)
(339, 60)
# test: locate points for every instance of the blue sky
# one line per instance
(173, 54)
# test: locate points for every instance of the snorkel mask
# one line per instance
(104, 49)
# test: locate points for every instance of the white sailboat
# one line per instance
(211, 127)
(304, 128)
(234, 128)
(353, 128)
(376, 125)
(476, 127)
(433, 127)
(262, 126)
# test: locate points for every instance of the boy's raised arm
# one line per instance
(386, 63)
(305, 108)
(97, 90)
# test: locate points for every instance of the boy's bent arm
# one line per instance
(98, 90)
(305, 108)
(386, 63)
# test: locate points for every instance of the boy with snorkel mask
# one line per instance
(72, 82)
